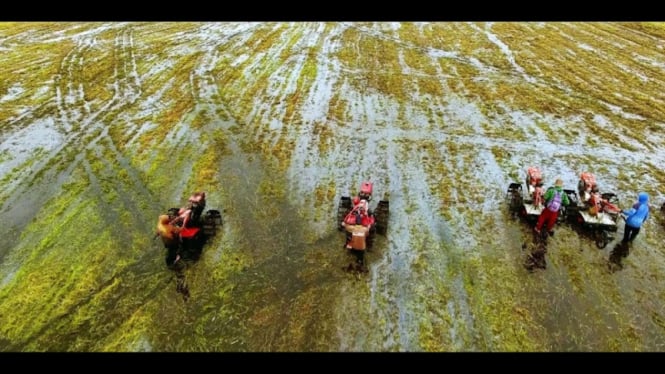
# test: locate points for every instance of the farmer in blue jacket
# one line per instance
(635, 217)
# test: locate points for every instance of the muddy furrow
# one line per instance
(72, 128)
(277, 121)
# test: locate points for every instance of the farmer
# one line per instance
(585, 185)
(364, 206)
(538, 195)
(197, 202)
(635, 217)
(170, 237)
(595, 202)
(194, 208)
(554, 199)
(533, 177)
(356, 240)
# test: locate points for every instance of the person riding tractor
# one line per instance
(534, 185)
(357, 224)
(586, 185)
(365, 191)
(192, 211)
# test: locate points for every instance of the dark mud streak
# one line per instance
(23, 206)
(134, 193)
(280, 252)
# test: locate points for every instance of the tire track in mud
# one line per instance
(391, 288)
(375, 155)
(354, 143)
(353, 139)
(69, 94)
(395, 268)
(80, 132)
(132, 276)
(282, 293)
(270, 230)
(413, 225)
(89, 141)
(309, 169)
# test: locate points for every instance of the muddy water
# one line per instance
(264, 284)
(282, 294)
(287, 284)
(80, 273)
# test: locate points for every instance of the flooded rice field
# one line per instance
(104, 126)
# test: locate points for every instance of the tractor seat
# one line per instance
(189, 232)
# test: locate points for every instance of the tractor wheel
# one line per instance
(343, 208)
(215, 216)
(195, 245)
(523, 211)
(211, 220)
(602, 239)
(516, 203)
(382, 214)
(369, 240)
